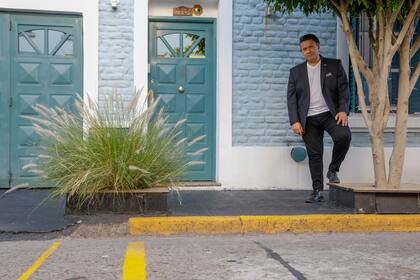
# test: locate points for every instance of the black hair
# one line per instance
(308, 37)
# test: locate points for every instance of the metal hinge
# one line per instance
(10, 102)
(150, 97)
(10, 178)
(10, 25)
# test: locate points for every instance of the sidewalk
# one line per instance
(248, 203)
(200, 212)
(29, 211)
(240, 212)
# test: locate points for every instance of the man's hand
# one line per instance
(297, 128)
(342, 118)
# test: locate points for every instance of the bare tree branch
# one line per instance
(356, 60)
(377, 101)
(396, 13)
(394, 38)
(361, 97)
(395, 33)
(414, 77)
(371, 35)
(381, 28)
(384, 61)
(408, 21)
(386, 111)
(335, 5)
(363, 67)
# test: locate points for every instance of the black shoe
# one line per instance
(332, 177)
(316, 196)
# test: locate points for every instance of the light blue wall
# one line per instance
(263, 53)
(361, 139)
(116, 48)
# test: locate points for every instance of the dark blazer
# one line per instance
(335, 89)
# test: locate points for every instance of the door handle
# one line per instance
(181, 89)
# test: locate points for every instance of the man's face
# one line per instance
(310, 50)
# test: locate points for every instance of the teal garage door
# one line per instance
(40, 62)
(182, 74)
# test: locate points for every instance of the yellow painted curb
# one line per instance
(135, 262)
(175, 225)
(273, 224)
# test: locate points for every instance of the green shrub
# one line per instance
(115, 148)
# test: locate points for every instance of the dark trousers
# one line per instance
(314, 141)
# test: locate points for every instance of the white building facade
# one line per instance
(239, 78)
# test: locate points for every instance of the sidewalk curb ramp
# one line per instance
(272, 224)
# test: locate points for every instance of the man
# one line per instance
(318, 101)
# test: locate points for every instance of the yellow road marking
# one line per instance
(39, 261)
(273, 224)
(135, 262)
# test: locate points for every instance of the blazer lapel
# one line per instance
(323, 72)
(304, 73)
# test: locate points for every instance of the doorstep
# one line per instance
(200, 184)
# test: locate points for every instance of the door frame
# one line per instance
(213, 22)
(5, 95)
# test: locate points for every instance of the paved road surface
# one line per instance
(239, 257)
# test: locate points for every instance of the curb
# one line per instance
(273, 224)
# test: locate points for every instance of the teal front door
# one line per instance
(41, 63)
(182, 74)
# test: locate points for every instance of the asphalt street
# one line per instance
(239, 257)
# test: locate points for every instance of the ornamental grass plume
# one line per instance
(117, 147)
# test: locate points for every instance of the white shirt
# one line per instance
(317, 103)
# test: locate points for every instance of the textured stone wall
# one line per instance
(263, 52)
(116, 49)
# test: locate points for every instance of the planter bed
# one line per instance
(141, 201)
(366, 199)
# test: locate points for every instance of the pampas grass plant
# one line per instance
(118, 148)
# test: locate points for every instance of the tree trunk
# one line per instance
(378, 157)
(377, 79)
(378, 92)
(398, 152)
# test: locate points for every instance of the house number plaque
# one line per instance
(182, 11)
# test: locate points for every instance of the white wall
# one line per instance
(342, 47)
(141, 47)
(267, 168)
(89, 10)
(165, 7)
(224, 160)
